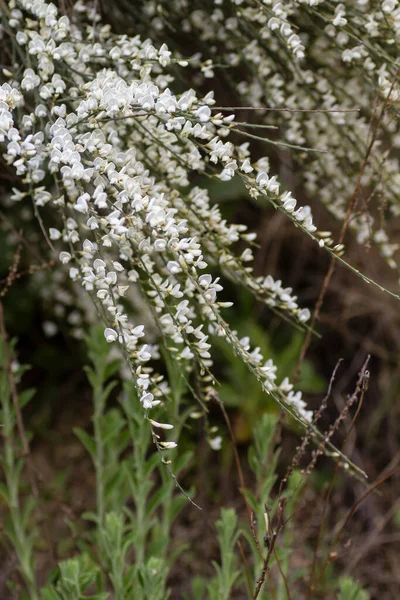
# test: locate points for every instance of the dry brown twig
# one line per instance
(361, 388)
(358, 394)
(246, 566)
(353, 509)
(273, 535)
(12, 273)
(300, 450)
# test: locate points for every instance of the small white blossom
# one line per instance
(110, 334)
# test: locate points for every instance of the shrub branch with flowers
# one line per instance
(120, 151)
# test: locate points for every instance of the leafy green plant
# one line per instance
(349, 589)
(228, 570)
(137, 500)
(19, 526)
(125, 550)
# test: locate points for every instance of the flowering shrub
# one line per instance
(114, 148)
(95, 132)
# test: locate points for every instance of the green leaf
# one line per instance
(27, 510)
(4, 493)
(112, 423)
(112, 368)
(107, 390)
(26, 396)
(350, 589)
(92, 376)
(90, 516)
(86, 440)
(49, 593)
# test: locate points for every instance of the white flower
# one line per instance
(203, 114)
(246, 166)
(74, 273)
(215, 443)
(173, 267)
(143, 354)
(168, 445)
(110, 334)
(81, 204)
(21, 38)
(388, 6)
(65, 257)
(54, 234)
(138, 331)
(147, 401)
(288, 202)
(161, 425)
(50, 329)
(164, 55)
(262, 179)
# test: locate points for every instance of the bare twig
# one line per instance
(359, 392)
(309, 433)
(12, 273)
(32, 249)
(271, 547)
(361, 388)
(246, 566)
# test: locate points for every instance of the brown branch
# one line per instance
(12, 273)
(20, 237)
(246, 566)
(30, 271)
(308, 435)
(281, 571)
(360, 390)
(271, 547)
(361, 387)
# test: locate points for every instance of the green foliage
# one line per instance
(349, 589)
(75, 577)
(227, 571)
(125, 550)
(136, 500)
(18, 525)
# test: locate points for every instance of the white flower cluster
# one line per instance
(102, 141)
(348, 60)
(109, 150)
